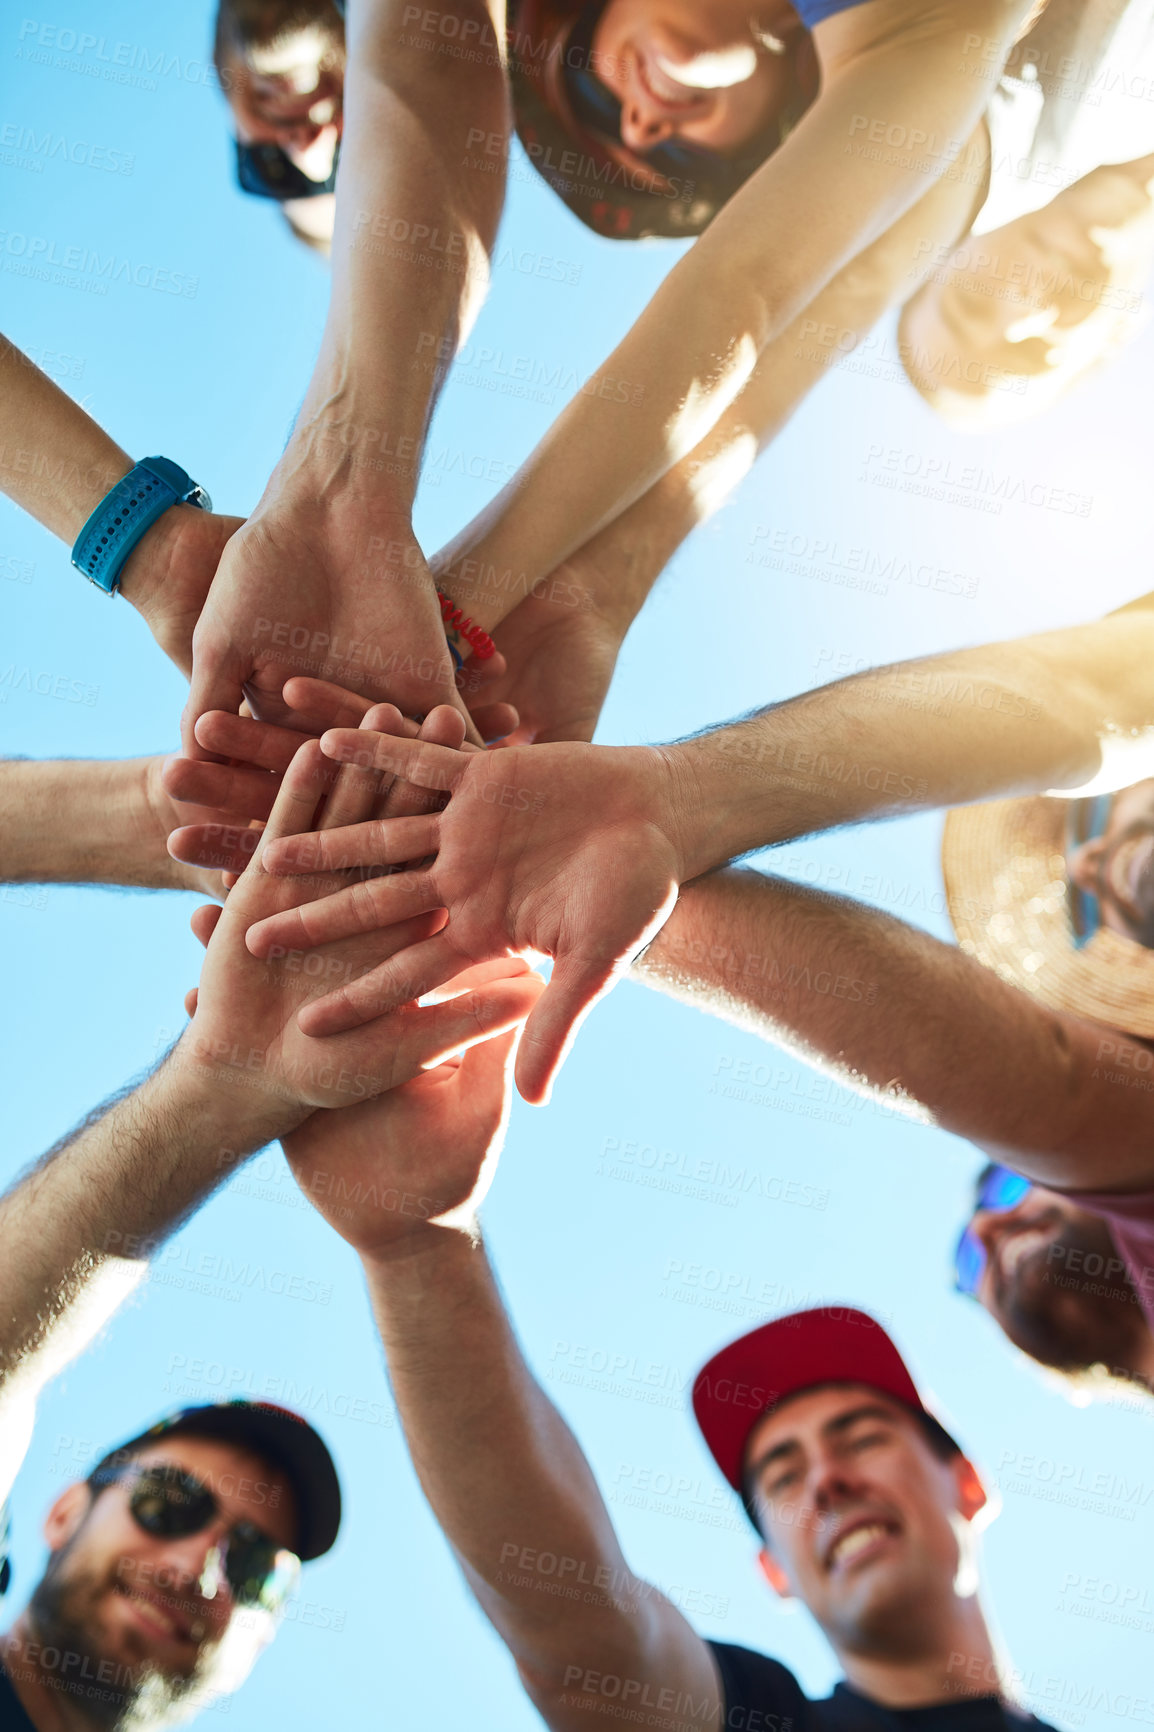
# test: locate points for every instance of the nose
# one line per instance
(291, 135)
(194, 1570)
(832, 1481)
(641, 128)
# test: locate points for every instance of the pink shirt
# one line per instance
(1131, 1222)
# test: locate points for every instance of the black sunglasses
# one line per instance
(265, 171)
(169, 1504)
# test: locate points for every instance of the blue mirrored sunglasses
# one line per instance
(997, 1190)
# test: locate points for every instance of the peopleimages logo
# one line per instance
(132, 63)
(50, 261)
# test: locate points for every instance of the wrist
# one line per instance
(226, 1086)
(710, 817)
(352, 451)
(144, 573)
(419, 1259)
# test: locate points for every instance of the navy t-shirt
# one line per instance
(763, 1696)
(12, 1715)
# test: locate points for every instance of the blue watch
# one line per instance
(125, 514)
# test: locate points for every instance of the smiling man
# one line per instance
(168, 1566)
(866, 1509)
(868, 1512)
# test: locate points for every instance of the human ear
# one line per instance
(1083, 863)
(66, 1515)
(774, 1574)
(971, 1492)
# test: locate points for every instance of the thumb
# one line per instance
(204, 920)
(217, 684)
(577, 984)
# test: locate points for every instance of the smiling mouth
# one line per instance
(674, 98)
(855, 1540)
(167, 1626)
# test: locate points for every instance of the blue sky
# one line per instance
(600, 1267)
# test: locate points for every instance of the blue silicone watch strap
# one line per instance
(126, 513)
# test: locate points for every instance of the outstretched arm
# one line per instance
(891, 69)
(560, 625)
(78, 1229)
(327, 576)
(58, 464)
(578, 851)
(401, 1178)
(518, 1502)
(890, 1011)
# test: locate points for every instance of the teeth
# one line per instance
(153, 1615)
(855, 1542)
(1018, 1246)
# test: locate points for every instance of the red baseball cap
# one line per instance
(750, 1377)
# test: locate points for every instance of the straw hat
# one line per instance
(1004, 865)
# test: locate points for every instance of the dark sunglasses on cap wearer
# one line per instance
(168, 1503)
(997, 1191)
(265, 171)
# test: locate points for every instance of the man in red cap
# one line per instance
(865, 1505)
(867, 1509)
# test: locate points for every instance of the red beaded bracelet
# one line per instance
(479, 641)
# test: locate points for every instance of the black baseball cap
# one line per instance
(279, 1436)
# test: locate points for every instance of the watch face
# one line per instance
(199, 496)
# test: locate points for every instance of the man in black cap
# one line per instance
(865, 1505)
(168, 1566)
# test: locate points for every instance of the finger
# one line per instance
(190, 999)
(257, 743)
(357, 909)
(442, 727)
(486, 1077)
(382, 842)
(408, 975)
(355, 792)
(321, 971)
(495, 721)
(359, 789)
(218, 847)
(412, 1041)
(217, 684)
(427, 765)
(231, 790)
(203, 921)
(574, 989)
(319, 704)
(479, 974)
(307, 779)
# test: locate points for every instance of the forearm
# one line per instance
(414, 226)
(617, 567)
(57, 463)
(696, 345)
(505, 1477)
(891, 1012)
(84, 821)
(79, 1228)
(1068, 711)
